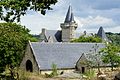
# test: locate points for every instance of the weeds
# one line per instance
(89, 75)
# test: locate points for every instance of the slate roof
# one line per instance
(72, 18)
(55, 34)
(64, 55)
(101, 33)
(68, 16)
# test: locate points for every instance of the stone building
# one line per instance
(55, 48)
(40, 56)
(68, 27)
(68, 31)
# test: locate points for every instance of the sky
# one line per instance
(89, 14)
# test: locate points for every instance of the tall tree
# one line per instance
(13, 9)
(111, 55)
(13, 40)
(95, 57)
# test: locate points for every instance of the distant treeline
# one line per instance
(114, 38)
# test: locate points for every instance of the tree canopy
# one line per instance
(111, 55)
(85, 38)
(13, 40)
(114, 38)
(11, 10)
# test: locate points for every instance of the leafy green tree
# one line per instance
(13, 40)
(85, 38)
(13, 9)
(114, 38)
(111, 55)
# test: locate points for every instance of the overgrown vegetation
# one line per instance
(89, 75)
(111, 55)
(54, 71)
(95, 57)
(114, 38)
(13, 41)
(85, 38)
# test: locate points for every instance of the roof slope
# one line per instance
(68, 16)
(101, 33)
(54, 34)
(64, 55)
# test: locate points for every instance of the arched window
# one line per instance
(29, 66)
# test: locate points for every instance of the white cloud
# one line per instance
(92, 24)
(36, 22)
(89, 17)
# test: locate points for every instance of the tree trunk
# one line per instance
(112, 64)
(98, 67)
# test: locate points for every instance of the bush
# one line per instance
(84, 38)
(54, 71)
(90, 74)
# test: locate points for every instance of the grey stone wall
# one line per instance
(82, 62)
(29, 56)
(68, 31)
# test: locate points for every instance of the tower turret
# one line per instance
(102, 35)
(68, 27)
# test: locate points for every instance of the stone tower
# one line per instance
(68, 27)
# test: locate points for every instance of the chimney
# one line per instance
(43, 30)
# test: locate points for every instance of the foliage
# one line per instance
(95, 57)
(90, 74)
(114, 38)
(54, 71)
(14, 9)
(111, 55)
(35, 38)
(13, 40)
(23, 75)
(84, 38)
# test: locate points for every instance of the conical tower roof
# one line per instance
(68, 16)
(101, 33)
(72, 18)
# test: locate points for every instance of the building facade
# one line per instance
(55, 48)
(68, 31)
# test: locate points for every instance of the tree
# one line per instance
(13, 9)
(84, 38)
(13, 40)
(114, 38)
(95, 57)
(111, 55)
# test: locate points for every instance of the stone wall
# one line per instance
(29, 56)
(82, 64)
(68, 31)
